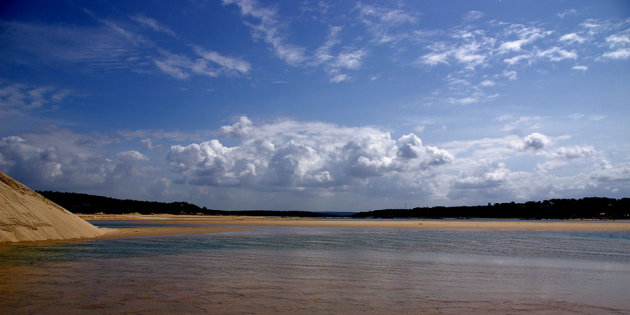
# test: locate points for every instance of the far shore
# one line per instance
(222, 221)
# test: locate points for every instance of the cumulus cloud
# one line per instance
(59, 158)
(237, 130)
(64, 160)
(575, 152)
(534, 141)
(132, 155)
(292, 154)
(486, 175)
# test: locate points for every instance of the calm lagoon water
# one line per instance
(323, 270)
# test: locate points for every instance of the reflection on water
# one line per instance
(323, 270)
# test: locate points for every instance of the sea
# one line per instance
(322, 270)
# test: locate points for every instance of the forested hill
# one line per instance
(586, 208)
(90, 204)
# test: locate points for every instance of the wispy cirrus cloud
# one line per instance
(19, 99)
(208, 63)
(268, 26)
(385, 24)
(95, 48)
(153, 24)
(113, 46)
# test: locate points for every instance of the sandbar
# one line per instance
(542, 225)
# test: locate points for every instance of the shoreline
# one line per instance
(497, 224)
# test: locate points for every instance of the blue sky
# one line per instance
(317, 105)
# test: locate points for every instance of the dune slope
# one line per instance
(27, 216)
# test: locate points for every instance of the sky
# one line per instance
(317, 105)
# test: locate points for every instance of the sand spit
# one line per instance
(569, 225)
(27, 216)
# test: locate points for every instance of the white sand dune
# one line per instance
(27, 216)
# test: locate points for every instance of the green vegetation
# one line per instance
(91, 204)
(586, 208)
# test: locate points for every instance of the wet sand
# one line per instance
(569, 225)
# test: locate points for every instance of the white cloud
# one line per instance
(227, 63)
(487, 83)
(512, 46)
(385, 24)
(483, 176)
(575, 152)
(153, 24)
(323, 53)
(292, 154)
(349, 60)
(516, 59)
(622, 53)
(523, 123)
(338, 78)
(242, 128)
(534, 141)
(464, 100)
(106, 47)
(525, 35)
(557, 54)
(174, 67)
(312, 160)
(56, 157)
(510, 74)
(211, 64)
(269, 28)
(618, 40)
(580, 68)
(473, 15)
(567, 12)
(132, 155)
(17, 99)
(572, 38)
(433, 59)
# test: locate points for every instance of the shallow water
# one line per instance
(324, 270)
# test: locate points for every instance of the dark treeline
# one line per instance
(586, 208)
(91, 204)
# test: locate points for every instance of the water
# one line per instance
(324, 270)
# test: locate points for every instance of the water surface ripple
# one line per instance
(324, 270)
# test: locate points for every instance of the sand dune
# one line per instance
(27, 216)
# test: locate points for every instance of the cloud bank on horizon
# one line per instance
(245, 104)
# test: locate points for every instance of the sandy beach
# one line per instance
(569, 225)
